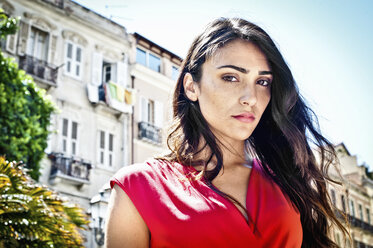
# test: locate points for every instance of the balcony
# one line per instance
(361, 244)
(150, 133)
(359, 223)
(39, 69)
(73, 171)
(57, 3)
(355, 222)
(117, 98)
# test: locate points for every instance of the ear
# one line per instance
(190, 87)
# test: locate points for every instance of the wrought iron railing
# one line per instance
(359, 244)
(69, 166)
(57, 3)
(359, 223)
(39, 68)
(150, 132)
(356, 222)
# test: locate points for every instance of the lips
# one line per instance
(245, 117)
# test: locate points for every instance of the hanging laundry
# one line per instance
(120, 93)
(107, 93)
(129, 96)
(112, 89)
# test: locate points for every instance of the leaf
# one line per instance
(35, 216)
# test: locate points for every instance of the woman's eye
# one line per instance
(264, 82)
(230, 78)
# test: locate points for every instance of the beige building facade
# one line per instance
(81, 59)
(354, 198)
(113, 91)
(154, 71)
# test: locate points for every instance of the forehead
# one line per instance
(241, 53)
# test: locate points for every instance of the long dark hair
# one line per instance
(281, 141)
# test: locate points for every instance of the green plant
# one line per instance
(32, 215)
(7, 25)
(25, 110)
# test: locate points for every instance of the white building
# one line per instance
(81, 59)
(154, 71)
(354, 198)
(113, 91)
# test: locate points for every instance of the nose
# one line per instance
(249, 97)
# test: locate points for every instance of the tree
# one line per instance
(25, 110)
(35, 216)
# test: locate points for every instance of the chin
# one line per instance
(242, 136)
(245, 134)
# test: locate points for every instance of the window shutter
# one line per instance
(96, 69)
(158, 114)
(92, 93)
(11, 43)
(23, 36)
(54, 54)
(121, 74)
(144, 109)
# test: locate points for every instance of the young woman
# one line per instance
(241, 172)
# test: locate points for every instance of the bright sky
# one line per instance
(327, 44)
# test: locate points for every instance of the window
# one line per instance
(38, 44)
(175, 73)
(102, 147)
(332, 192)
(352, 208)
(106, 148)
(148, 59)
(343, 203)
(151, 112)
(141, 56)
(109, 72)
(73, 60)
(147, 110)
(361, 212)
(368, 215)
(69, 137)
(154, 63)
(111, 140)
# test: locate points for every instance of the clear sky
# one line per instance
(327, 44)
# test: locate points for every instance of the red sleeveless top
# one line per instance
(182, 212)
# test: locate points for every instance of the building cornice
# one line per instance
(152, 44)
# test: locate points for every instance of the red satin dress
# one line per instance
(184, 212)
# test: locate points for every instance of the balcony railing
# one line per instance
(70, 167)
(57, 3)
(361, 244)
(356, 222)
(39, 68)
(150, 132)
(359, 223)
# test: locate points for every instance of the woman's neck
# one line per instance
(233, 153)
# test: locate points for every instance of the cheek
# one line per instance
(264, 101)
(209, 97)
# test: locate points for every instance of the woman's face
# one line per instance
(234, 90)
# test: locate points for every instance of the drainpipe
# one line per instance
(132, 122)
(125, 139)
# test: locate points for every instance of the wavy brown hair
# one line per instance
(281, 140)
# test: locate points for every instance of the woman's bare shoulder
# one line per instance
(124, 223)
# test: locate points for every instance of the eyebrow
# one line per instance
(243, 70)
